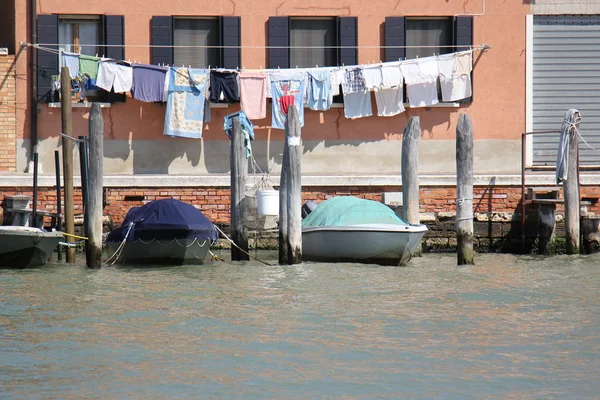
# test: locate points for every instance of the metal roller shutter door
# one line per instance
(566, 74)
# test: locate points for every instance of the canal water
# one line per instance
(510, 327)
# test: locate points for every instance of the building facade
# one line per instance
(357, 156)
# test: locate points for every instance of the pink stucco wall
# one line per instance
(498, 109)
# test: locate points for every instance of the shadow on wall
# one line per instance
(134, 135)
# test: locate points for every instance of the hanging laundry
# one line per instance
(185, 105)
(245, 125)
(253, 94)
(373, 77)
(389, 101)
(224, 87)
(354, 81)
(421, 81)
(71, 60)
(207, 110)
(358, 105)
(115, 76)
(391, 75)
(88, 65)
(148, 83)
(287, 88)
(464, 62)
(337, 77)
(454, 86)
(319, 94)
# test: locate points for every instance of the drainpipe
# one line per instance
(34, 79)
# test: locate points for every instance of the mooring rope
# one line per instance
(120, 248)
(240, 249)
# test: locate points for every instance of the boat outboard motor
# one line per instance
(308, 207)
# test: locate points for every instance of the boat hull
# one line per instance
(22, 247)
(373, 244)
(162, 252)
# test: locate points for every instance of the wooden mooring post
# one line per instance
(67, 145)
(239, 175)
(290, 193)
(93, 203)
(410, 173)
(571, 192)
(58, 200)
(464, 190)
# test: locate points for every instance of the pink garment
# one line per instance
(286, 101)
(253, 94)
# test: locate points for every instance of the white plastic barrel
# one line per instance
(268, 202)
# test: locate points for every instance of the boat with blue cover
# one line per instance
(163, 232)
(349, 229)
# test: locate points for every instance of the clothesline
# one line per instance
(481, 47)
(188, 91)
(244, 69)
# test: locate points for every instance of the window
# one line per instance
(436, 32)
(196, 41)
(314, 32)
(80, 35)
(193, 34)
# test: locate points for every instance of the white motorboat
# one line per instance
(24, 247)
(348, 229)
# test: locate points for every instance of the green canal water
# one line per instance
(508, 328)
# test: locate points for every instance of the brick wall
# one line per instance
(438, 204)
(8, 125)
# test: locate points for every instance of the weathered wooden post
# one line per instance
(410, 173)
(571, 191)
(34, 220)
(67, 145)
(58, 200)
(464, 190)
(239, 174)
(546, 227)
(294, 187)
(283, 204)
(93, 205)
(84, 169)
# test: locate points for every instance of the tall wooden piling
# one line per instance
(464, 190)
(283, 204)
(239, 175)
(291, 174)
(58, 200)
(410, 173)
(93, 206)
(34, 220)
(67, 145)
(571, 192)
(84, 169)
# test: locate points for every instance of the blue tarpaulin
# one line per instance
(163, 220)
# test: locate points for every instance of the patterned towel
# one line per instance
(185, 104)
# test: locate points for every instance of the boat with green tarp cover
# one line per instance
(349, 229)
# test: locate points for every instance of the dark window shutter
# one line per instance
(114, 36)
(162, 35)
(114, 41)
(231, 36)
(47, 63)
(463, 33)
(348, 40)
(463, 40)
(279, 35)
(395, 35)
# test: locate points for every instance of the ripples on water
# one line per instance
(509, 327)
